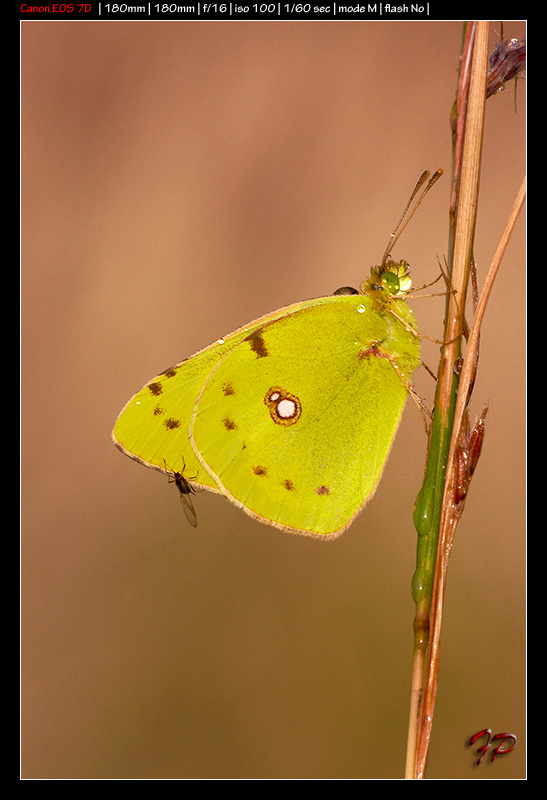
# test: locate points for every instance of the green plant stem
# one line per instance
(429, 504)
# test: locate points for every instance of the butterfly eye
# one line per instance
(390, 281)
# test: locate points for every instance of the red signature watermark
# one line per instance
(500, 750)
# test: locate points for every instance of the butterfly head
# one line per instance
(395, 277)
(390, 279)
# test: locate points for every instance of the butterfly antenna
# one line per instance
(406, 216)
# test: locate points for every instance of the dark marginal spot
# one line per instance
(257, 343)
(322, 490)
(155, 388)
(229, 424)
(170, 373)
(171, 424)
(158, 411)
(228, 389)
(289, 485)
(261, 471)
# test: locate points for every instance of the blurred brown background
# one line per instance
(179, 180)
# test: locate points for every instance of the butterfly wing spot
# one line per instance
(260, 471)
(258, 345)
(228, 389)
(285, 408)
(170, 373)
(288, 484)
(172, 424)
(158, 411)
(322, 490)
(229, 424)
(155, 388)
